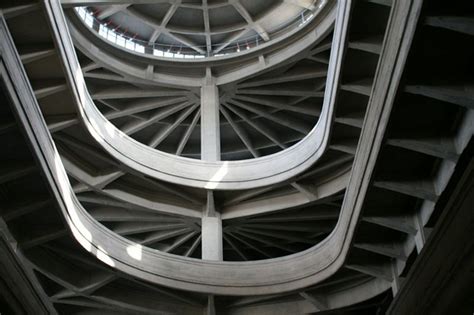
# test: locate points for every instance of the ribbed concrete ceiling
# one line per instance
(426, 135)
(204, 27)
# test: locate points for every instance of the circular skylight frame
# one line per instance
(141, 48)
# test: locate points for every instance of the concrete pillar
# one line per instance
(210, 126)
(211, 308)
(211, 226)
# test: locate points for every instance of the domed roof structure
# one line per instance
(188, 29)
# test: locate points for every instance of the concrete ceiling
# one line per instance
(205, 27)
(413, 149)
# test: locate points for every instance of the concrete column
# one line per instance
(211, 308)
(211, 226)
(210, 127)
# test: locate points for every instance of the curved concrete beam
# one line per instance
(242, 174)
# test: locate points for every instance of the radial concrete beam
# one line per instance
(210, 125)
(211, 231)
